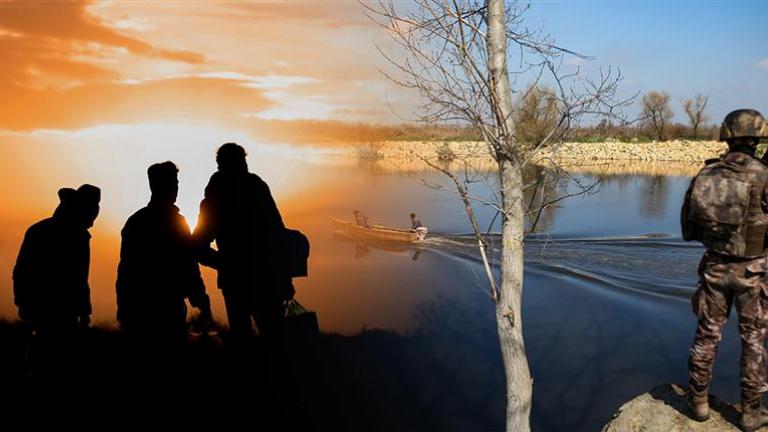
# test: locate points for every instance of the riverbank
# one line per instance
(667, 151)
(682, 158)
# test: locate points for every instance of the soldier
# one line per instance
(725, 208)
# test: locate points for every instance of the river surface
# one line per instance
(606, 310)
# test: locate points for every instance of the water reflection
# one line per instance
(654, 196)
(362, 247)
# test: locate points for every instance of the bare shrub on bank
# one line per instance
(537, 112)
(656, 112)
(695, 110)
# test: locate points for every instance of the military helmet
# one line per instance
(743, 123)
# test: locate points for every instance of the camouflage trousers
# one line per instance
(722, 280)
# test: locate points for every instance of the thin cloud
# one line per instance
(762, 64)
(185, 99)
(64, 42)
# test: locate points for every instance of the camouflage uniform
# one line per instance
(724, 279)
(733, 273)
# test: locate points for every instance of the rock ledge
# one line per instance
(664, 409)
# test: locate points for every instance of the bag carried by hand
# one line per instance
(300, 323)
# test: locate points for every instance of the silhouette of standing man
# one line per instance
(238, 211)
(158, 267)
(50, 279)
(50, 287)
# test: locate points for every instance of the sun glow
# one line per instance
(116, 157)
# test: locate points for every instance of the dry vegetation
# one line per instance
(537, 110)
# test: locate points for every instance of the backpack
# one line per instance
(723, 206)
(298, 250)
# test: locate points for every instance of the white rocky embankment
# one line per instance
(672, 151)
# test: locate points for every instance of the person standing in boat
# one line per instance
(415, 223)
(361, 219)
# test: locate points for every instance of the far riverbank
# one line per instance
(655, 158)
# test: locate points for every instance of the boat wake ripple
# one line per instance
(648, 265)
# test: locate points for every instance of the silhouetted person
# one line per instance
(253, 264)
(415, 223)
(238, 211)
(361, 219)
(50, 279)
(158, 267)
(50, 286)
(158, 271)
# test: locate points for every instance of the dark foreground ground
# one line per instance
(376, 380)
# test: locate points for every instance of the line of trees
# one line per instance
(536, 111)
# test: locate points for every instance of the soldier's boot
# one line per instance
(753, 416)
(698, 402)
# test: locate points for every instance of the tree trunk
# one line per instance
(508, 308)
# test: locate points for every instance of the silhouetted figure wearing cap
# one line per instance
(238, 211)
(158, 267)
(158, 271)
(50, 279)
(50, 285)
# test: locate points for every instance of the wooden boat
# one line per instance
(380, 232)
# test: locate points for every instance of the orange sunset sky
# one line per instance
(76, 64)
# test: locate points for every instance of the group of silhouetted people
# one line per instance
(159, 257)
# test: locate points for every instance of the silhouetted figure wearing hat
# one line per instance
(50, 286)
(50, 279)
(158, 267)
(158, 271)
(238, 211)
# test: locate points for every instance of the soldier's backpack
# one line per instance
(723, 209)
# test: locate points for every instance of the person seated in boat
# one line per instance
(415, 223)
(361, 219)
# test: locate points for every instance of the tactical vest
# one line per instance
(723, 206)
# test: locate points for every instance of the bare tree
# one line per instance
(694, 108)
(537, 112)
(657, 112)
(455, 54)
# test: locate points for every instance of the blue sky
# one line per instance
(683, 47)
